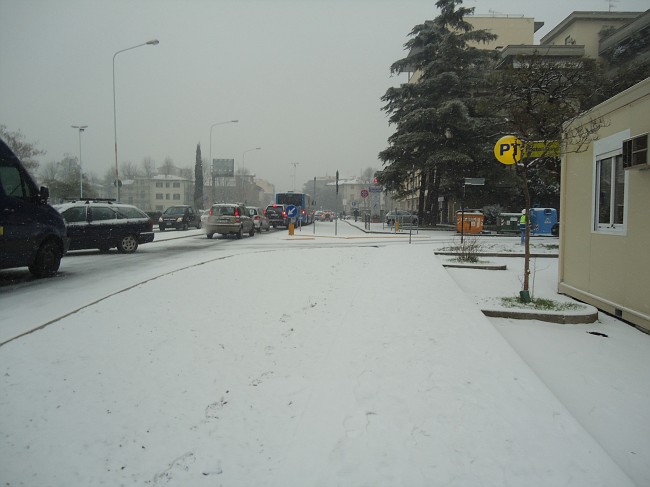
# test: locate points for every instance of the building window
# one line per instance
(610, 194)
(635, 151)
(177, 185)
(167, 196)
(166, 185)
(159, 185)
(159, 196)
(177, 196)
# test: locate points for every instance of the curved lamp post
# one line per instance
(210, 162)
(81, 128)
(152, 42)
(243, 156)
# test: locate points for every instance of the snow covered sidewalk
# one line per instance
(360, 369)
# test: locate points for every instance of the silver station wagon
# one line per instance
(229, 219)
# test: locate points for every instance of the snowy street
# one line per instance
(314, 360)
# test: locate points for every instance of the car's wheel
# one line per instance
(240, 233)
(47, 260)
(252, 232)
(127, 244)
(209, 235)
(198, 226)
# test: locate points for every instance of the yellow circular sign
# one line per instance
(508, 149)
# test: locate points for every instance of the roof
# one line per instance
(587, 16)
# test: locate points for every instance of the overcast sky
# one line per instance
(303, 77)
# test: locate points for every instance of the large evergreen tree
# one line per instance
(440, 118)
(198, 179)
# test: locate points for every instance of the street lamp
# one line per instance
(243, 156)
(153, 42)
(210, 162)
(81, 128)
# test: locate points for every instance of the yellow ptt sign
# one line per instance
(508, 149)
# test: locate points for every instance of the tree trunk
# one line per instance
(422, 191)
(527, 231)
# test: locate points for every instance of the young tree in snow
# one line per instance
(537, 96)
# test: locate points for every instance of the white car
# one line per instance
(260, 220)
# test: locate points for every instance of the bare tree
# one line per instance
(168, 166)
(25, 151)
(149, 167)
(129, 170)
(538, 96)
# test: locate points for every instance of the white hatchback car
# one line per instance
(260, 220)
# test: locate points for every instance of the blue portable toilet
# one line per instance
(543, 220)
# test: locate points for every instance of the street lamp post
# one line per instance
(243, 156)
(152, 42)
(81, 128)
(210, 162)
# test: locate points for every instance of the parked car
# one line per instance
(32, 233)
(277, 215)
(103, 224)
(229, 218)
(180, 217)
(260, 220)
(401, 216)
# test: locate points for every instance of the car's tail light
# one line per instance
(210, 212)
(257, 217)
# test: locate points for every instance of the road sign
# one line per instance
(364, 193)
(508, 149)
(375, 189)
(292, 211)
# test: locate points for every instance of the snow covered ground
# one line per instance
(317, 360)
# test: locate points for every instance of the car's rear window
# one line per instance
(174, 210)
(224, 210)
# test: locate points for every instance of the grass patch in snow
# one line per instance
(542, 304)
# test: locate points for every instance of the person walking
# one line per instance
(522, 226)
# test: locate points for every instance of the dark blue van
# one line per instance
(32, 233)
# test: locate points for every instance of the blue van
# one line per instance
(32, 233)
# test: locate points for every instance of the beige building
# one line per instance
(586, 29)
(158, 192)
(605, 218)
(510, 29)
